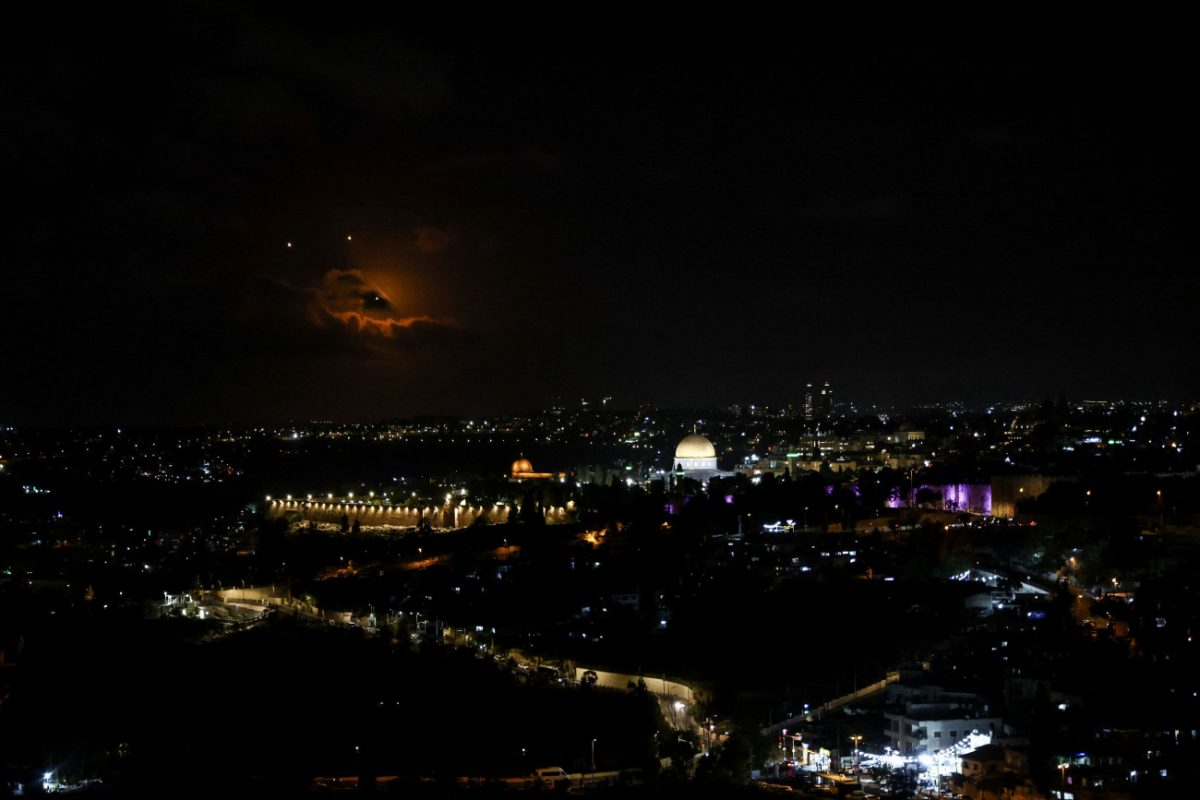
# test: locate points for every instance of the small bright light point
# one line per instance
(289, 244)
(348, 237)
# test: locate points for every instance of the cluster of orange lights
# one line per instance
(594, 538)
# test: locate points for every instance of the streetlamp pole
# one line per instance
(593, 756)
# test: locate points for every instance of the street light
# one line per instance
(856, 738)
(1062, 771)
(593, 756)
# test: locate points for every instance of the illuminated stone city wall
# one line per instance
(445, 517)
(1008, 490)
(996, 499)
(974, 498)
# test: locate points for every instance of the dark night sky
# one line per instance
(658, 208)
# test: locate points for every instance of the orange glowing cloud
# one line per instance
(354, 311)
(358, 301)
(382, 326)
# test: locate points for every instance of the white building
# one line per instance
(926, 728)
(695, 457)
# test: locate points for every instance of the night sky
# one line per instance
(650, 206)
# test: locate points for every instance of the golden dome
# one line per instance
(695, 446)
(521, 466)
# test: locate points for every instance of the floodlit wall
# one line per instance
(1008, 490)
(621, 680)
(446, 517)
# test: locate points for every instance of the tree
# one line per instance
(681, 752)
(735, 758)
(902, 783)
(928, 497)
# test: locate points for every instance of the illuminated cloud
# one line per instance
(357, 301)
(385, 326)
(349, 310)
